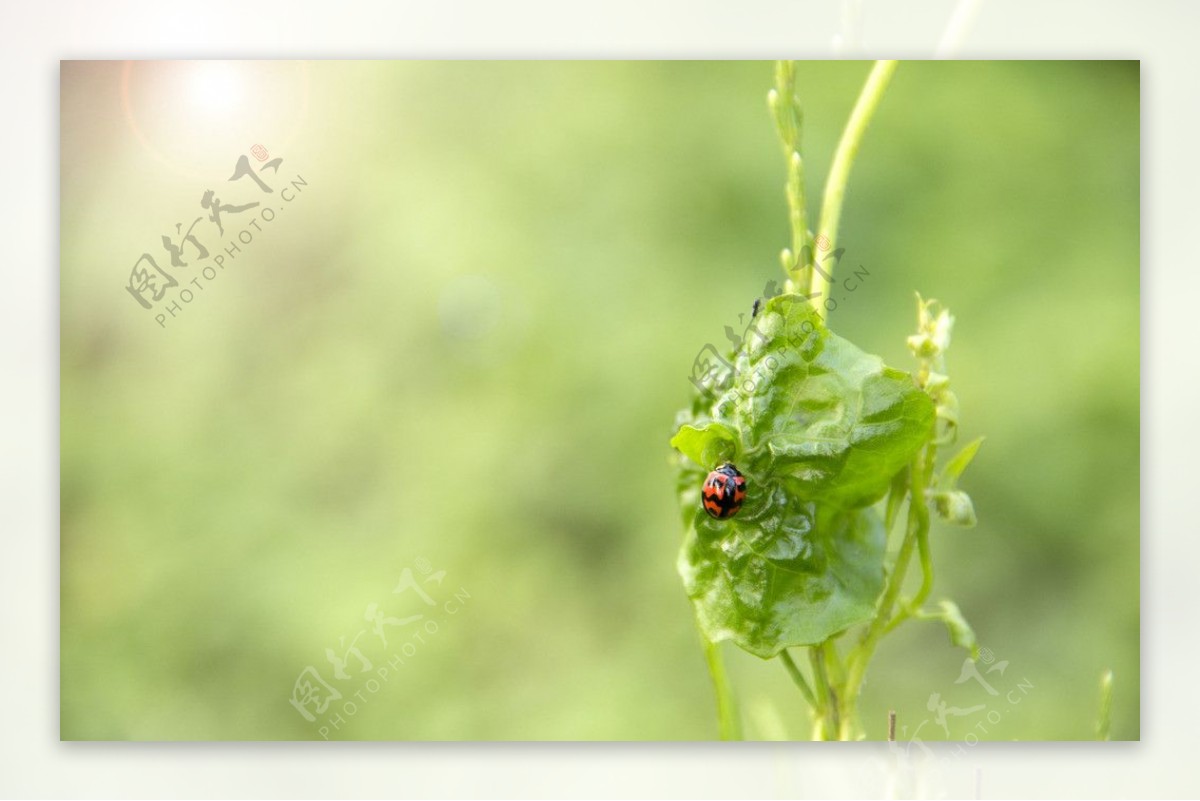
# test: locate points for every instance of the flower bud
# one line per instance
(922, 346)
(933, 331)
(955, 507)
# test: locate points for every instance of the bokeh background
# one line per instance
(460, 348)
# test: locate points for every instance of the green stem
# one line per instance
(843, 720)
(896, 495)
(918, 528)
(785, 108)
(726, 707)
(794, 671)
(926, 564)
(833, 661)
(843, 159)
(1104, 722)
(830, 720)
(921, 512)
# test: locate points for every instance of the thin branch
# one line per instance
(727, 714)
(821, 677)
(785, 108)
(843, 159)
(798, 677)
(1104, 723)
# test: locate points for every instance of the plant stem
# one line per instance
(843, 159)
(830, 720)
(794, 671)
(896, 495)
(918, 528)
(833, 661)
(921, 513)
(727, 714)
(1104, 723)
(785, 108)
(844, 725)
(926, 563)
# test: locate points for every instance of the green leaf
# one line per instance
(783, 573)
(820, 429)
(955, 467)
(961, 633)
(708, 445)
(809, 405)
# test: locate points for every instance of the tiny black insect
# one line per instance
(754, 309)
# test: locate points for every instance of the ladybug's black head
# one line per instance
(728, 469)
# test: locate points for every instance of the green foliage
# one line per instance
(795, 575)
(319, 422)
(819, 428)
(822, 431)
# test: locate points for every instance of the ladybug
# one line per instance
(724, 491)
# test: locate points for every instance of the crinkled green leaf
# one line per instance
(810, 405)
(820, 429)
(782, 572)
(708, 445)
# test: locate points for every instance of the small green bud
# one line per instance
(933, 330)
(955, 507)
(922, 346)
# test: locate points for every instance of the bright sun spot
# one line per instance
(214, 86)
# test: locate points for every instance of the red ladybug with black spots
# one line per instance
(723, 493)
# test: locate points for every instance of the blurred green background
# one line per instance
(460, 348)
